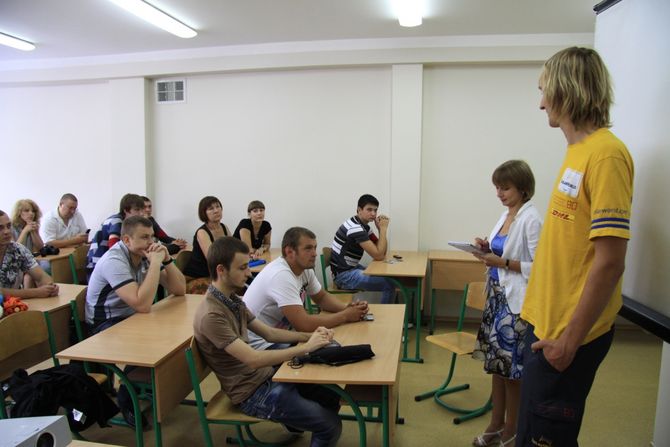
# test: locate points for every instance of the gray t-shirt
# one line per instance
(113, 271)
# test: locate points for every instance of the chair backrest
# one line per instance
(80, 262)
(325, 264)
(198, 365)
(78, 308)
(24, 341)
(182, 259)
(476, 295)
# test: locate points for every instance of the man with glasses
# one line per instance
(65, 226)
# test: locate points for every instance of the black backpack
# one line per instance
(43, 392)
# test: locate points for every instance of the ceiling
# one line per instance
(88, 28)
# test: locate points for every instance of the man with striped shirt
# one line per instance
(354, 237)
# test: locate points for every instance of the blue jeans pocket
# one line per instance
(263, 403)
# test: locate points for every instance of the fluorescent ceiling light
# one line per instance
(15, 42)
(409, 12)
(156, 17)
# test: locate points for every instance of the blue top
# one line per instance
(497, 245)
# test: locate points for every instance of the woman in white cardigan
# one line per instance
(509, 253)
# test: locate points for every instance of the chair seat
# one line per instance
(98, 377)
(457, 342)
(221, 408)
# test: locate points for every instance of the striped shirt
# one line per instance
(346, 246)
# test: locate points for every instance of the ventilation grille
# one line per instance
(171, 90)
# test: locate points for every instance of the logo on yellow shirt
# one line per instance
(562, 215)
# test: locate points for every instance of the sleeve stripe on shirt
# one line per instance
(611, 219)
(625, 227)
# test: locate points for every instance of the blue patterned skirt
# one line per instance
(500, 340)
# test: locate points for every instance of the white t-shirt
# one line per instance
(277, 286)
(54, 228)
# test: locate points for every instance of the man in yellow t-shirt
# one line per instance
(574, 291)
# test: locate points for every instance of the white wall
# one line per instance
(307, 143)
(475, 118)
(56, 139)
(634, 41)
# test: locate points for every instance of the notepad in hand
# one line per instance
(256, 262)
(466, 246)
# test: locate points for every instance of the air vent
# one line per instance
(173, 90)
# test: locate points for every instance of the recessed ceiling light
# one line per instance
(156, 17)
(15, 42)
(409, 12)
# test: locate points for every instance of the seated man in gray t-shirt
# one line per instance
(125, 281)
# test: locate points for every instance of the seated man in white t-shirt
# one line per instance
(277, 295)
(65, 226)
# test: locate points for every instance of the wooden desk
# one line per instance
(63, 269)
(383, 334)
(452, 270)
(268, 256)
(155, 340)
(412, 267)
(57, 313)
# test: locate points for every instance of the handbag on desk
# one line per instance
(334, 355)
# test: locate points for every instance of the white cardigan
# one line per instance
(522, 238)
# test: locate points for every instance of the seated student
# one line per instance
(15, 261)
(277, 294)
(110, 231)
(245, 374)
(352, 238)
(255, 231)
(173, 245)
(210, 212)
(26, 225)
(125, 281)
(65, 226)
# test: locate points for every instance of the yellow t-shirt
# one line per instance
(591, 198)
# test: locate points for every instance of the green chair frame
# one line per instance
(325, 264)
(198, 371)
(460, 343)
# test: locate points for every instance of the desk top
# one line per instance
(269, 256)
(64, 253)
(451, 255)
(66, 293)
(383, 334)
(143, 339)
(413, 265)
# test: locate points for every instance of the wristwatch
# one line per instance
(506, 264)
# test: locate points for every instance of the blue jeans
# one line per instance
(356, 279)
(306, 407)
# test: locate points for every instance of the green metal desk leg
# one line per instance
(75, 279)
(157, 424)
(139, 438)
(386, 427)
(417, 354)
(52, 342)
(362, 433)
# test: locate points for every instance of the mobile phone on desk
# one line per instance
(368, 317)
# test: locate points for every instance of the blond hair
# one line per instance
(19, 206)
(576, 85)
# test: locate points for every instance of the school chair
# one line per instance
(140, 380)
(459, 343)
(79, 259)
(219, 409)
(182, 258)
(326, 273)
(25, 343)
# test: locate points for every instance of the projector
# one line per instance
(45, 431)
